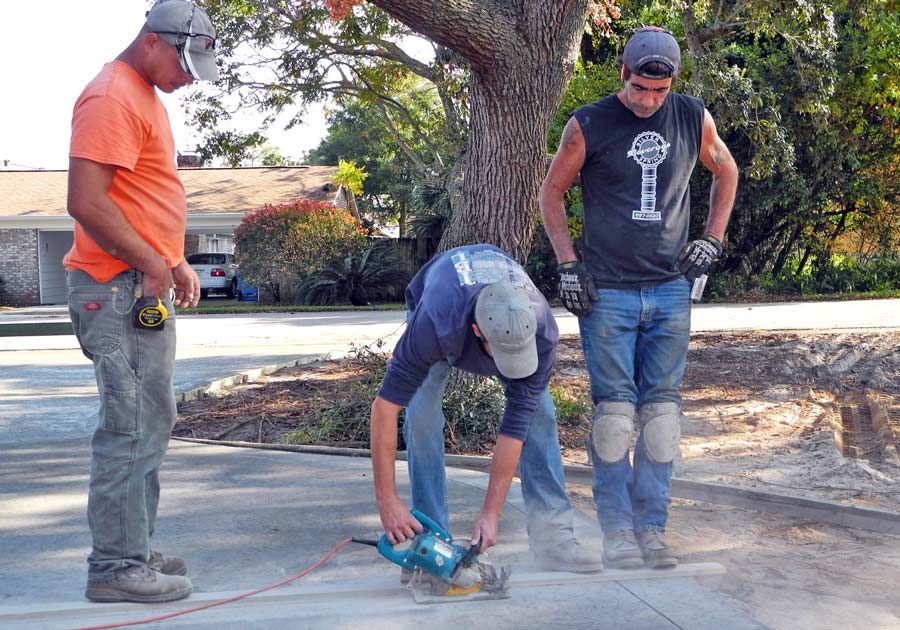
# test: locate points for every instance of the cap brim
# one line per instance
(520, 364)
(202, 65)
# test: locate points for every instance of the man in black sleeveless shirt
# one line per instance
(636, 151)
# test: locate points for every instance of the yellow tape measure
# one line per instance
(150, 313)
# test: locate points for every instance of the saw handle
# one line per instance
(386, 549)
(472, 553)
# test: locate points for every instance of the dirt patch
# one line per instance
(763, 410)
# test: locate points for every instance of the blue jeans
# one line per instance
(137, 411)
(635, 345)
(549, 512)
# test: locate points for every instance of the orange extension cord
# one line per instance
(306, 571)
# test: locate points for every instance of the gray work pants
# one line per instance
(137, 411)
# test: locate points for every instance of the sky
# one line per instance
(50, 49)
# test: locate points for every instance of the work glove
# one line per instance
(576, 288)
(696, 257)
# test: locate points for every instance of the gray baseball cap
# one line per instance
(187, 27)
(505, 315)
(652, 44)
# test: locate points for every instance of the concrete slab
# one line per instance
(244, 518)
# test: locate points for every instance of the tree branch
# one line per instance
(475, 29)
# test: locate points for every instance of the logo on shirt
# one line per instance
(488, 266)
(649, 149)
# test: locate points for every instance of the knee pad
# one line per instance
(661, 429)
(612, 430)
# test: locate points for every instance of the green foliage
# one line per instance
(234, 147)
(346, 421)
(375, 273)
(473, 406)
(431, 205)
(351, 176)
(572, 408)
(2, 291)
(393, 114)
(841, 274)
(271, 156)
(278, 244)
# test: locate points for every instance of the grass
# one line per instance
(36, 330)
(235, 307)
(759, 296)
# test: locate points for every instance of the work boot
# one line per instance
(620, 550)
(571, 557)
(139, 584)
(656, 553)
(167, 565)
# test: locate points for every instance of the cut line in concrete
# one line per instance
(312, 591)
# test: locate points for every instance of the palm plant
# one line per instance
(355, 278)
(431, 205)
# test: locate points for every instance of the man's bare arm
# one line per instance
(399, 524)
(716, 157)
(564, 169)
(102, 219)
(503, 466)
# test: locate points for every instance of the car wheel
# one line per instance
(231, 291)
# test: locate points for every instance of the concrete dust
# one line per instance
(760, 413)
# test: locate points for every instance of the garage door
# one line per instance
(52, 247)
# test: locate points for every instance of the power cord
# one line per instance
(220, 602)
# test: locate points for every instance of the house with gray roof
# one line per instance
(36, 231)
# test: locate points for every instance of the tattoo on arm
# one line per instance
(719, 152)
(570, 134)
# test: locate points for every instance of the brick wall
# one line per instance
(191, 244)
(19, 268)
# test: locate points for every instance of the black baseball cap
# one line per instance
(652, 53)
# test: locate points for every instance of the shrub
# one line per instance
(840, 274)
(277, 245)
(2, 291)
(473, 407)
(572, 408)
(357, 278)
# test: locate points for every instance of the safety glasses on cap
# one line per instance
(195, 50)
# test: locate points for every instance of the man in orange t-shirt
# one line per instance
(129, 208)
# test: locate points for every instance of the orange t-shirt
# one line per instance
(119, 120)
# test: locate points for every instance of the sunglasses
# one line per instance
(208, 41)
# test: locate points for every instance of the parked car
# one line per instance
(217, 272)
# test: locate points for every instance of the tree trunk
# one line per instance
(521, 56)
(786, 250)
(506, 157)
(402, 220)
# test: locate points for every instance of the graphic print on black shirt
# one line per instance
(649, 149)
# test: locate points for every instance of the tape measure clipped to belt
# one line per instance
(150, 313)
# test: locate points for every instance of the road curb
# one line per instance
(228, 382)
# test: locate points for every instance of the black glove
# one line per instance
(696, 257)
(576, 288)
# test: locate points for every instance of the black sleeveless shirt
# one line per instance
(635, 182)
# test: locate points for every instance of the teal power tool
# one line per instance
(434, 552)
